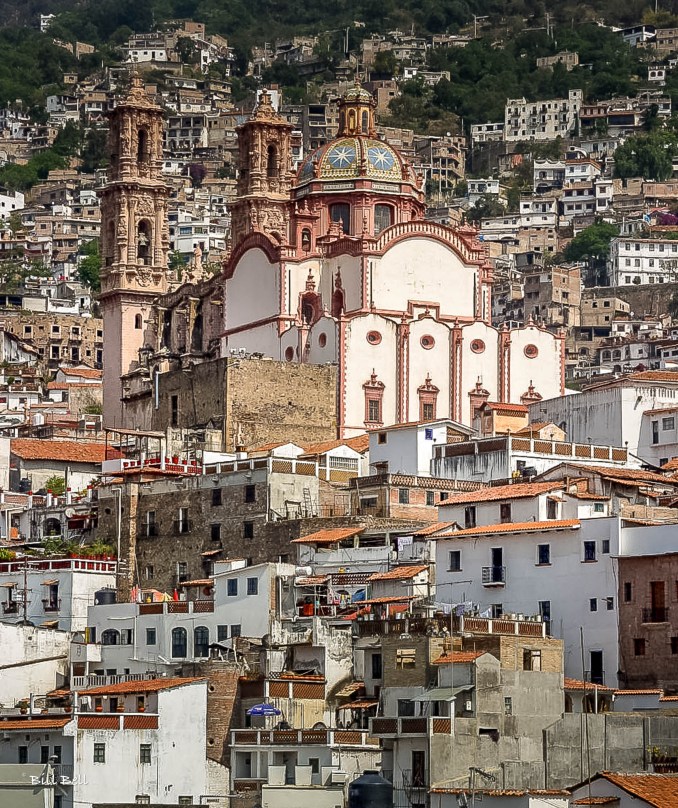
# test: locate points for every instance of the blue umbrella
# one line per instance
(264, 709)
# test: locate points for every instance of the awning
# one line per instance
(442, 693)
(9, 585)
(50, 582)
(355, 705)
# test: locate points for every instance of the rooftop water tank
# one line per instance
(370, 790)
(104, 597)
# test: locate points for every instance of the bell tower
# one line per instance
(265, 175)
(134, 238)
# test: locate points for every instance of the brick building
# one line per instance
(58, 337)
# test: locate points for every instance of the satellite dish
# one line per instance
(69, 513)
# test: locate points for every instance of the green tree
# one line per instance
(649, 156)
(89, 268)
(486, 207)
(592, 243)
(57, 485)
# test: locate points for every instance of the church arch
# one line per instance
(272, 161)
(341, 212)
(196, 333)
(144, 232)
(142, 146)
(138, 322)
(306, 240)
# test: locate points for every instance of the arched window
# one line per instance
(144, 241)
(196, 334)
(272, 161)
(306, 239)
(142, 146)
(383, 218)
(110, 637)
(341, 212)
(374, 395)
(137, 321)
(179, 643)
(201, 641)
(365, 123)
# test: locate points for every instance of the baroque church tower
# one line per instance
(134, 238)
(265, 177)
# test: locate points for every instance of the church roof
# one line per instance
(353, 158)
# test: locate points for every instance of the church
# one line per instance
(332, 264)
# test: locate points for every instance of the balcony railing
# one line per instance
(417, 725)
(656, 614)
(305, 737)
(51, 605)
(494, 576)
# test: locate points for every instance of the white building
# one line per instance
(537, 550)
(34, 660)
(611, 412)
(482, 187)
(541, 120)
(53, 592)
(486, 132)
(641, 261)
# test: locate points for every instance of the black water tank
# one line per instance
(370, 790)
(102, 597)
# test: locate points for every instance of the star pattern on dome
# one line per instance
(380, 157)
(341, 156)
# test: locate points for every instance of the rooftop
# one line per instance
(62, 450)
(458, 657)
(398, 573)
(329, 536)
(139, 686)
(658, 790)
(514, 491)
(514, 527)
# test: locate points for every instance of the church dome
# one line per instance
(354, 158)
(356, 153)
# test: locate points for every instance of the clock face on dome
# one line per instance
(341, 156)
(380, 157)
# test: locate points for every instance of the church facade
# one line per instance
(335, 263)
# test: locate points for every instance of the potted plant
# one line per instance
(99, 708)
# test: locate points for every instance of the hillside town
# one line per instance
(338, 457)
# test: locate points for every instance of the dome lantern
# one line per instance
(356, 113)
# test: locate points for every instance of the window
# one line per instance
(341, 212)
(232, 587)
(182, 571)
(444, 495)
(406, 658)
(668, 423)
(99, 753)
(374, 410)
(639, 646)
(589, 551)
(470, 516)
(545, 610)
(428, 411)
(505, 512)
(137, 321)
(531, 660)
(252, 586)
(174, 414)
(23, 754)
(185, 801)
(609, 604)
(215, 531)
(222, 633)
(655, 431)
(377, 670)
(110, 637)
(56, 754)
(148, 571)
(236, 630)
(248, 530)
(216, 497)
(508, 705)
(250, 493)
(496, 610)
(201, 641)
(404, 496)
(142, 799)
(543, 554)
(151, 638)
(183, 522)
(674, 645)
(430, 497)
(599, 507)
(605, 547)
(383, 218)
(628, 591)
(455, 561)
(551, 509)
(593, 604)
(179, 643)
(144, 753)
(405, 708)
(382, 438)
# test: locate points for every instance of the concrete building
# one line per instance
(642, 261)
(541, 120)
(36, 461)
(35, 659)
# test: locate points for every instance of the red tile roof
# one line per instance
(458, 657)
(668, 698)
(140, 722)
(431, 529)
(398, 573)
(83, 373)
(596, 801)
(34, 723)
(63, 450)
(502, 406)
(658, 790)
(513, 527)
(139, 686)
(631, 475)
(329, 536)
(393, 599)
(360, 444)
(312, 580)
(577, 684)
(493, 494)
(671, 465)
(503, 792)
(648, 692)
(197, 582)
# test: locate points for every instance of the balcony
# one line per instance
(494, 576)
(411, 725)
(51, 604)
(302, 737)
(656, 614)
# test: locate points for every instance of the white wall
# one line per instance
(21, 670)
